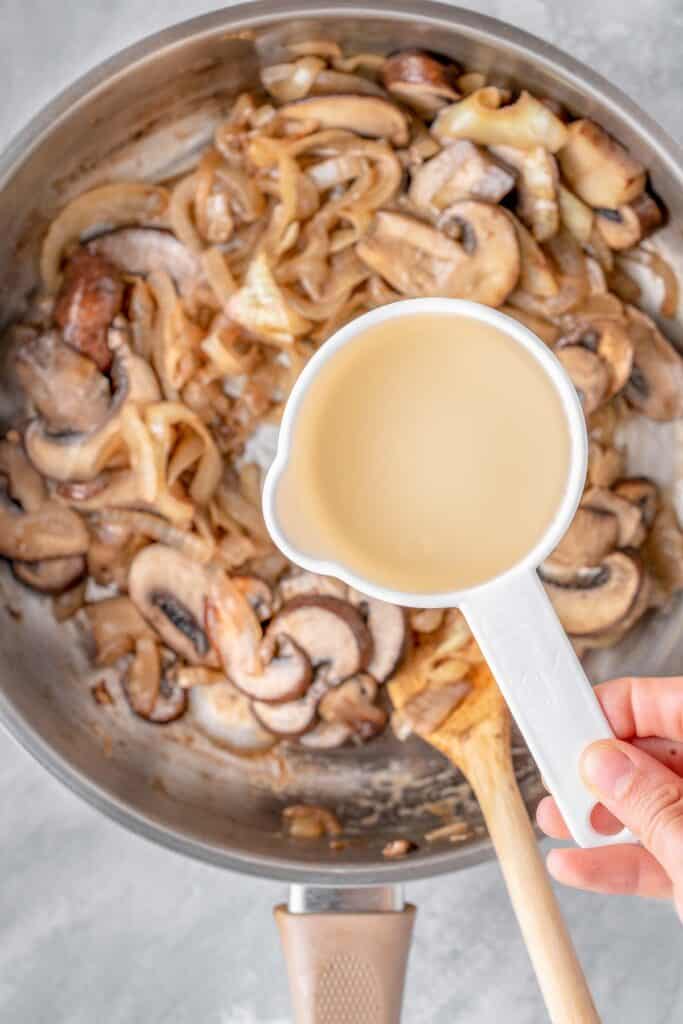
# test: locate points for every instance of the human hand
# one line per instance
(638, 779)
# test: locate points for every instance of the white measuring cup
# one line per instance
(510, 615)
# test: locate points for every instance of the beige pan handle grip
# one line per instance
(346, 968)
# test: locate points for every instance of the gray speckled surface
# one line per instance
(97, 925)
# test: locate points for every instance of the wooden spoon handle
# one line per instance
(560, 977)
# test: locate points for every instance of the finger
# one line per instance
(611, 869)
(644, 707)
(667, 752)
(644, 794)
(551, 822)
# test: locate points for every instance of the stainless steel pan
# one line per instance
(143, 114)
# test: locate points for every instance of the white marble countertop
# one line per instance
(97, 925)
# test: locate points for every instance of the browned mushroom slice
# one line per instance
(460, 171)
(277, 671)
(51, 531)
(611, 341)
(365, 115)
(592, 600)
(65, 387)
(388, 625)
(331, 632)
(426, 711)
(326, 736)
(655, 386)
(170, 591)
(609, 637)
(589, 374)
(332, 83)
(537, 188)
(598, 168)
(417, 259)
(642, 493)
(605, 464)
(258, 594)
(116, 626)
(631, 531)
(83, 455)
(150, 691)
(225, 716)
(24, 484)
(140, 251)
(296, 584)
(90, 297)
(590, 538)
(627, 225)
(353, 705)
(291, 718)
(422, 80)
(51, 576)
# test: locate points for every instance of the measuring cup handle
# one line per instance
(546, 689)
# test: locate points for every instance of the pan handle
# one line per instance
(347, 955)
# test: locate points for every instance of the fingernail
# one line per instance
(607, 769)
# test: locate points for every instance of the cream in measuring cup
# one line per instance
(432, 454)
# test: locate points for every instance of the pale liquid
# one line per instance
(430, 454)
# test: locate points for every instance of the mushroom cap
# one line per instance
(326, 736)
(655, 386)
(591, 600)
(52, 531)
(631, 531)
(423, 80)
(590, 538)
(417, 259)
(329, 630)
(460, 171)
(353, 704)
(643, 493)
(609, 338)
(365, 115)
(225, 716)
(170, 591)
(291, 718)
(90, 296)
(50, 576)
(589, 374)
(66, 388)
(390, 632)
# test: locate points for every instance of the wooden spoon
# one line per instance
(475, 736)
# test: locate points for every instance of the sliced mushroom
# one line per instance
(605, 464)
(590, 538)
(170, 591)
(282, 672)
(141, 251)
(645, 598)
(259, 595)
(537, 188)
(642, 493)
(365, 115)
(631, 531)
(460, 171)
(610, 340)
(24, 484)
(326, 736)
(417, 260)
(297, 584)
(225, 716)
(50, 531)
(65, 387)
(116, 626)
(331, 632)
(592, 600)
(82, 456)
(429, 709)
(149, 688)
(51, 576)
(115, 488)
(629, 224)
(598, 168)
(291, 718)
(388, 625)
(537, 274)
(589, 374)
(353, 704)
(655, 386)
(330, 83)
(304, 821)
(90, 297)
(422, 80)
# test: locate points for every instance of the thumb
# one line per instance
(643, 794)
